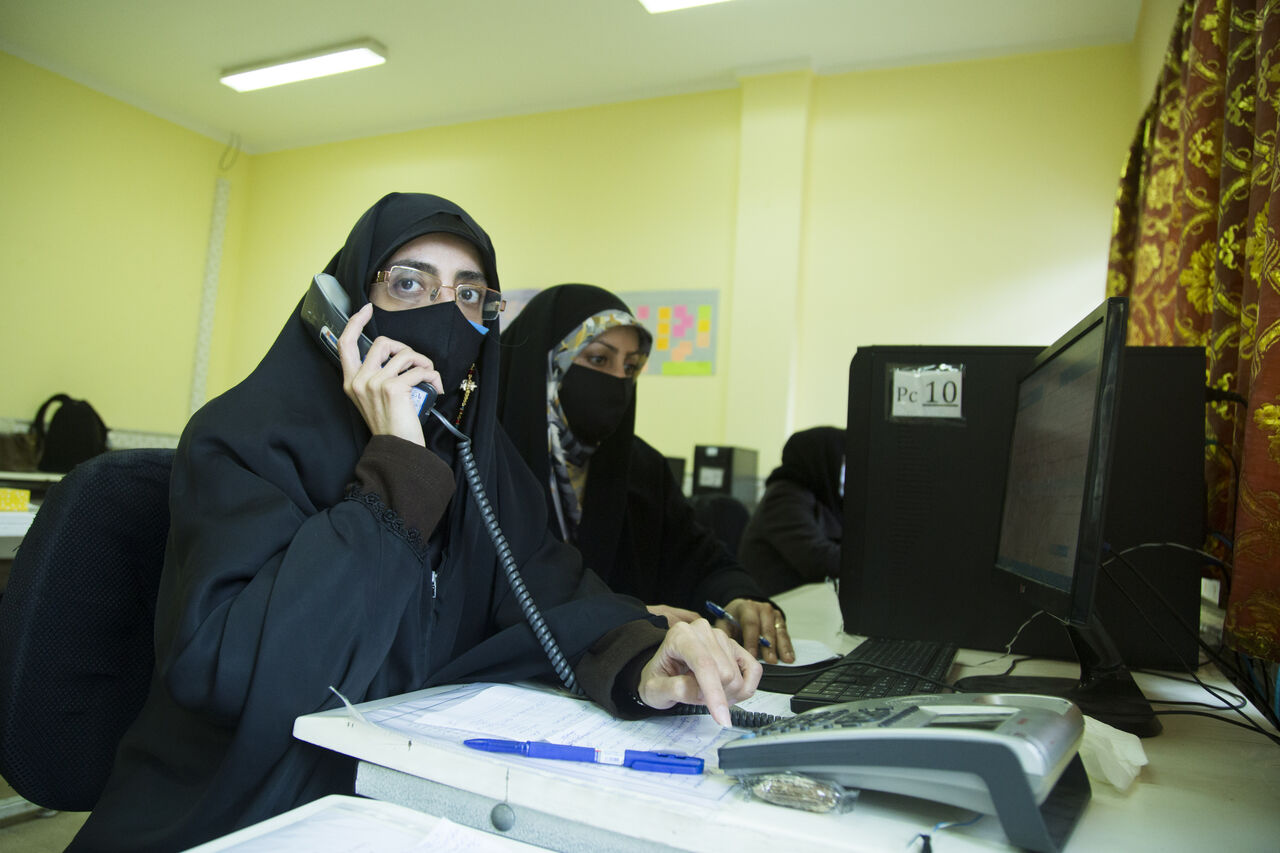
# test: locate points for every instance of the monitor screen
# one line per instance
(1053, 509)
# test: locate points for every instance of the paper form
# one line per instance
(517, 713)
(810, 651)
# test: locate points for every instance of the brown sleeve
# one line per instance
(410, 480)
(610, 670)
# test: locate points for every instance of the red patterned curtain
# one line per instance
(1196, 248)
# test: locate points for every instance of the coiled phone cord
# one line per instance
(531, 613)
(740, 717)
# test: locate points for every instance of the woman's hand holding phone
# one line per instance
(380, 385)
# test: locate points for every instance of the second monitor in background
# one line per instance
(721, 470)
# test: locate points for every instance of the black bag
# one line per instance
(74, 434)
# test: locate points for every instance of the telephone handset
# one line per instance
(326, 310)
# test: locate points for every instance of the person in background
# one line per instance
(793, 536)
(568, 401)
(324, 538)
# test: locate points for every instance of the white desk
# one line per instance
(1208, 786)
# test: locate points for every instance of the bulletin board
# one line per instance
(683, 324)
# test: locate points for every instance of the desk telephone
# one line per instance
(326, 310)
(1003, 754)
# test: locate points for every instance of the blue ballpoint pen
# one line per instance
(720, 613)
(636, 759)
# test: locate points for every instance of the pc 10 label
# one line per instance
(931, 391)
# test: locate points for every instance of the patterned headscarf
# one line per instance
(569, 456)
(537, 350)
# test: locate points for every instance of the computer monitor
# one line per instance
(1054, 511)
(922, 504)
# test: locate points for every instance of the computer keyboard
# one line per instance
(922, 663)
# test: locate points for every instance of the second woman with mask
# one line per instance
(568, 369)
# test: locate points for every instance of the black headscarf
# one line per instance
(812, 458)
(637, 531)
(279, 583)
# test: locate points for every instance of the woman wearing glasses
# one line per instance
(323, 535)
(569, 368)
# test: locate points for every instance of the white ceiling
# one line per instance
(457, 60)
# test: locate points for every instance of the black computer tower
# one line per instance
(725, 471)
(923, 499)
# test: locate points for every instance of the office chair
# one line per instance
(724, 514)
(76, 620)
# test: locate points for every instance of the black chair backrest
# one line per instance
(76, 620)
(725, 515)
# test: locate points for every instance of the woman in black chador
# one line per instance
(794, 535)
(569, 367)
(322, 535)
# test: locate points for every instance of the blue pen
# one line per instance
(720, 613)
(636, 759)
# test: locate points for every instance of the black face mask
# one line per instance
(439, 332)
(593, 402)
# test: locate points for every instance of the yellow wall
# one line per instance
(965, 202)
(103, 233)
(959, 204)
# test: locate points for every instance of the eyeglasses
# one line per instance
(416, 288)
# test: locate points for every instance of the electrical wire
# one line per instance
(1178, 546)
(1249, 723)
(1276, 700)
(1253, 676)
(1014, 663)
(230, 153)
(1250, 726)
(1008, 647)
(1212, 691)
(1119, 555)
(1239, 701)
(926, 838)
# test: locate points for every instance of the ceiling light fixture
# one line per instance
(658, 6)
(320, 63)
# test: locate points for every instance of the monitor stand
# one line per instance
(1105, 690)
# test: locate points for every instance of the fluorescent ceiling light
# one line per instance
(657, 6)
(321, 63)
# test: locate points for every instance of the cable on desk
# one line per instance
(1013, 664)
(1249, 726)
(1008, 647)
(1212, 691)
(1276, 707)
(1240, 703)
(1248, 722)
(1217, 561)
(925, 838)
(1253, 676)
